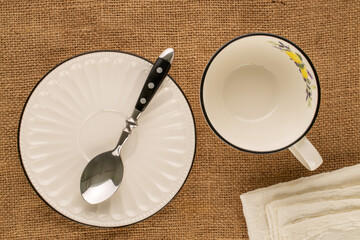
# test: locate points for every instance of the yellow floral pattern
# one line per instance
(296, 57)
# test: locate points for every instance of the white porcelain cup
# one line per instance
(260, 93)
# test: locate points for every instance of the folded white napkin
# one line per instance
(295, 208)
(261, 207)
(297, 213)
(340, 226)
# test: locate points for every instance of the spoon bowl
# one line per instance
(101, 177)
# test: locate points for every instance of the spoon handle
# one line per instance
(156, 76)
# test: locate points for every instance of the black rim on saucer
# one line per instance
(202, 90)
(19, 126)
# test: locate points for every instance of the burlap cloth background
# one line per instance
(36, 35)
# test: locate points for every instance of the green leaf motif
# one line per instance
(300, 65)
(299, 56)
(313, 86)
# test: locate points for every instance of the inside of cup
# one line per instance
(260, 93)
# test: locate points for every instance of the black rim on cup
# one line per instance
(202, 91)
(21, 160)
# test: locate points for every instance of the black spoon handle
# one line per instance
(155, 78)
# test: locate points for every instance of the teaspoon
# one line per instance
(102, 176)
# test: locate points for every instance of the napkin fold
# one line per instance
(276, 212)
(341, 226)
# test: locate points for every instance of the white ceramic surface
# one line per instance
(254, 93)
(78, 110)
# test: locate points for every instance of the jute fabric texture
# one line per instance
(37, 35)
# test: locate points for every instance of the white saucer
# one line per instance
(78, 110)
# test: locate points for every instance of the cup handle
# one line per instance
(306, 153)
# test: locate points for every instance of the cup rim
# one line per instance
(202, 90)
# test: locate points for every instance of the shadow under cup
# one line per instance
(260, 93)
